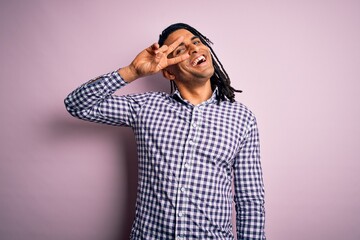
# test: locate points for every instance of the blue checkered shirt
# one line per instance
(189, 156)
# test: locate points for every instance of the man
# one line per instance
(192, 144)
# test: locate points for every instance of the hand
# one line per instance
(152, 60)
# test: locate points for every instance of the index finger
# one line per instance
(174, 45)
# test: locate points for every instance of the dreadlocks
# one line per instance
(220, 78)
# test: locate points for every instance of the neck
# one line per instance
(196, 94)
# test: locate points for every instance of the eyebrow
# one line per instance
(193, 37)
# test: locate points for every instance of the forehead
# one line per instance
(176, 34)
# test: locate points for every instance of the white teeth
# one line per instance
(197, 60)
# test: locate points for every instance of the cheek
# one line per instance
(182, 67)
(211, 59)
(176, 70)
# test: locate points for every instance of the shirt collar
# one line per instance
(177, 96)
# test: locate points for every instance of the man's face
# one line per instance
(198, 68)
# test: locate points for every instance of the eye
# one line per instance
(178, 51)
(197, 42)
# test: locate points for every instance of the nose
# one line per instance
(194, 48)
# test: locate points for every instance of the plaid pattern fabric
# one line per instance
(188, 157)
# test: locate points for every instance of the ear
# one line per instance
(168, 75)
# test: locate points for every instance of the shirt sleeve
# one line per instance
(95, 101)
(248, 187)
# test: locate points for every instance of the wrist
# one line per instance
(128, 73)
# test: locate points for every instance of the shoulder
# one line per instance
(148, 97)
(238, 110)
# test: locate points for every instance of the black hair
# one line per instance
(220, 78)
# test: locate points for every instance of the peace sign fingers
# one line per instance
(171, 48)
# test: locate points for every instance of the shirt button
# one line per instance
(187, 165)
(194, 125)
(191, 142)
(182, 189)
(181, 214)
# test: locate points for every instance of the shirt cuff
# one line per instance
(111, 80)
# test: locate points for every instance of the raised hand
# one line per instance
(152, 60)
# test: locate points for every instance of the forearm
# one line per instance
(250, 219)
(91, 100)
(249, 187)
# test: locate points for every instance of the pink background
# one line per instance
(298, 63)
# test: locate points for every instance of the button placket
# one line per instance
(185, 173)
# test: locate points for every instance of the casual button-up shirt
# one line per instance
(194, 160)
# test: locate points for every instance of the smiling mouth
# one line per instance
(198, 60)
